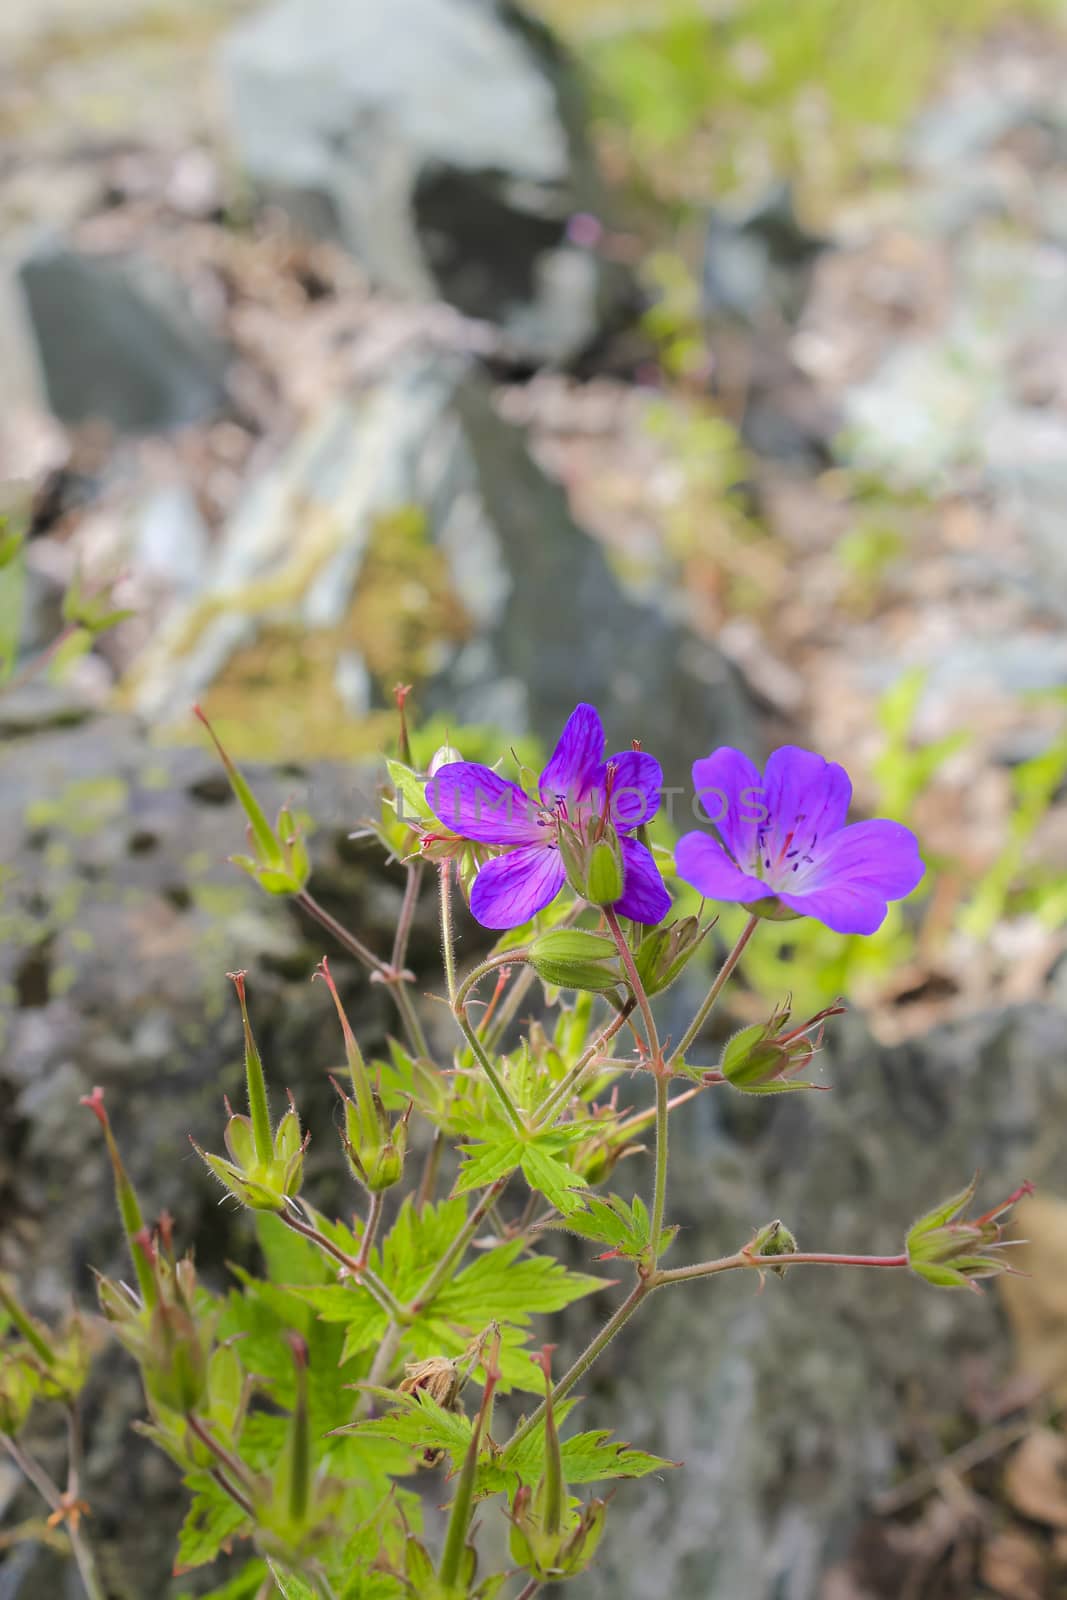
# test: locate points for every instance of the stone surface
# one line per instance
(785, 1405)
(118, 343)
(449, 164)
(519, 616)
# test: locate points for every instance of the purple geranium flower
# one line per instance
(578, 787)
(784, 835)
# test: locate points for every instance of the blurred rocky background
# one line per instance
(706, 362)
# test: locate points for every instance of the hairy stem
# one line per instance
(34, 1473)
(507, 1105)
(232, 1491)
(639, 1292)
(520, 988)
(409, 1016)
(407, 914)
(428, 1182)
(381, 1367)
(648, 1285)
(714, 992)
(508, 958)
(392, 976)
(232, 1464)
(370, 1230)
(637, 986)
(448, 937)
(569, 1084)
(354, 946)
(798, 1258)
(659, 1189)
(370, 1280)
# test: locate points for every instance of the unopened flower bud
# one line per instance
(570, 958)
(773, 1239)
(171, 1337)
(664, 952)
(593, 865)
(952, 1251)
(762, 1059)
(374, 1143)
(604, 875)
(552, 1535)
(267, 1165)
(446, 756)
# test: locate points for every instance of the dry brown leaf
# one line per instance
(1037, 1303)
(1013, 1565)
(1035, 1479)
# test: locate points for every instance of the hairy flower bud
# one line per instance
(570, 958)
(267, 1165)
(773, 1239)
(374, 1143)
(951, 1251)
(593, 863)
(169, 1336)
(444, 757)
(762, 1059)
(664, 952)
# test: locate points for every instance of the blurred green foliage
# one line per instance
(704, 97)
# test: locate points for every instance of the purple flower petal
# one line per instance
(635, 791)
(572, 767)
(730, 789)
(512, 888)
(842, 907)
(477, 804)
(879, 855)
(702, 862)
(856, 873)
(644, 895)
(808, 800)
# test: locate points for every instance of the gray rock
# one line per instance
(117, 341)
(544, 622)
(785, 1405)
(171, 541)
(443, 141)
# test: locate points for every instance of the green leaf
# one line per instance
(484, 1163)
(421, 1423)
(363, 1319)
(243, 1587)
(609, 1220)
(551, 1177)
(211, 1521)
(592, 1457)
(416, 1242)
(290, 1258)
(292, 1587)
(410, 792)
(505, 1286)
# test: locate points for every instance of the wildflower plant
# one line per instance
(302, 1404)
